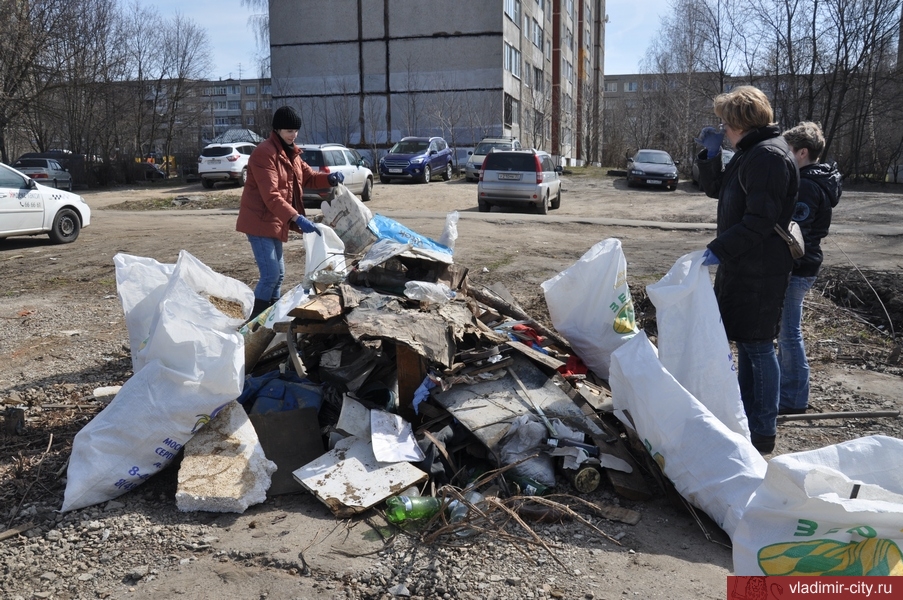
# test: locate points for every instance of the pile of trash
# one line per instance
(387, 381)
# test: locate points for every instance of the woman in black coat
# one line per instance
(756, 191)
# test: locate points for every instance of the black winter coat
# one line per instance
(820, 189)
(756, 190)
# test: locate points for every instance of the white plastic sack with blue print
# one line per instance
(691, 341)
(712, 467)
(324, 257)
(835, 511)
(590, 304)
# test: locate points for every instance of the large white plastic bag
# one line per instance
(348, 216)
(714, 468)
(154, 414)
(803, 520)
(590, 304)
(191, 365)
(692, 344)
(324, 256)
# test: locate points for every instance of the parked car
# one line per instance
(652, 167)
(332, 158)
(726, 156)
(224, 162)
(45, 170)
(475, 159)
(30, 208)
(148, 171)
(416, 158)
(518, 178)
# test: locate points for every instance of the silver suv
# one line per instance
(330, 158)
(487, 145)
(518, 178)
(224, 162)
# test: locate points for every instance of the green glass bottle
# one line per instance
(525, 486)
(400, 509)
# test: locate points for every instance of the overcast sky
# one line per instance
(631, 25)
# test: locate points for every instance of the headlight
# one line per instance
(636, 172)
(382, 161)
(417, 160)
(470, 165)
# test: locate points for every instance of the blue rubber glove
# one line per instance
(306, 225)
(336, 178)
(711, 138)
(709, 258)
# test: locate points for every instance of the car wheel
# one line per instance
(383, 179)
(483, 206)
(427, 174)
(367, 192)
(243, 179)
(207, 183)
(69, 186)
(556, 203)
(448, 172)
(543, 207)
(66, 226)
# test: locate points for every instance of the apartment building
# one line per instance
(369, 72)
(234, 104)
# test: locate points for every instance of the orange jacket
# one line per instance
(266, 207)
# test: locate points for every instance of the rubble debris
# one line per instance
(224, 468)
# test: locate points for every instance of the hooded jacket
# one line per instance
(820, 190)
(272, 194)
(756, 190)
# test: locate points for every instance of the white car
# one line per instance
(330, 158)
(224, 162)
(519, 178)
(29, 208)
(487, 145)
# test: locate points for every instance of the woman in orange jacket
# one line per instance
(271, 202)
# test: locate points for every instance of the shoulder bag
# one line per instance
(793, 235)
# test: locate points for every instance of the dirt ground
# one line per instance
(62, 334)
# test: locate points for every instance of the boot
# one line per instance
(259, 307)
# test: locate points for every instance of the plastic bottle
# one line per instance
(458, 510)
(400, 509)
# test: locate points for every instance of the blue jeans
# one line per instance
(759, 376)
(794, 366)
(268, 256)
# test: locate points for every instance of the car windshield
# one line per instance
(509, 162)
(312, 157)
(217, 151)
(487, 147)
(656, 158)
(409, 147)
(31, 162)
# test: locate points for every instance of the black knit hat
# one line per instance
(285, 117)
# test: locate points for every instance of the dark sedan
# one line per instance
(653, 168)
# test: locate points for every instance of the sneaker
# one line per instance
(763, 443)
(792, 411)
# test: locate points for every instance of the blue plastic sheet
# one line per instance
(386, 228)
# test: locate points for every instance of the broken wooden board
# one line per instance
(487, 409)
(349, 480)
(536, 355)
(319, 308)
(334, 326)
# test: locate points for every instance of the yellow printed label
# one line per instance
(829, 557)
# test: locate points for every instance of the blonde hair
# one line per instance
(807, 135)
(744, 108)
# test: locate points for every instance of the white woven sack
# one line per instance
(692, 343)
(714, 468)
(590, 304)
(835, 511)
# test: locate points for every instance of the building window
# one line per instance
(220, 105)
(265, 89)
(568, 71)
(537, 34)
(537, 79)
(266, 104)
(512, 60)
(250, 90)
(234, 105)
(527, 72)
(630, 86)
(512, 111)
(233, 89)
(252, 105)
(526, 27)
(568, 39)
(512, 9)
(250, 120)
(611, 86)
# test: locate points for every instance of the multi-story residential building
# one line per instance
(234, 104)
(369, 72)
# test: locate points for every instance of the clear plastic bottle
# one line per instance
(400, 509)
(458, 510)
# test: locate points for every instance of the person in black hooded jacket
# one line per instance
(820, 189)
(756, 190)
